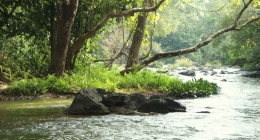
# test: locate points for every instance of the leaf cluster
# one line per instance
(192, 89)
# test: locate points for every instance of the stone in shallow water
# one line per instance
(88, 102)
(156, 105)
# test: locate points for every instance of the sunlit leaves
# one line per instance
(256, 3)
(185, 1)
(236, 2)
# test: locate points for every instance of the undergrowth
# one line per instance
(99, 77)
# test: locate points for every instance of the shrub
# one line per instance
(192, 89)
(112, 81)
(183, 62)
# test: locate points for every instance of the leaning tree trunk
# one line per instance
(133, 57)
(61, 38)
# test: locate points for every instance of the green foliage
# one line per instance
(39, 86)
(27, 87)
(243, 48)
(58, 85)
(194, 88)
(24, 55)
(183, 62)
(99, 77)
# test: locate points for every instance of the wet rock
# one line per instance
(213, 73)
(224, 80)
(115, 99)
(173, 106)
(156, 105)
(252, 75)
(188, 73)
(222, 72)
(88, 102)
(229, 72)
(203, 112)
(136, 100)
(92, 101)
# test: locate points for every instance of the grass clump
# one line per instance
(192, 89)
(36, 86)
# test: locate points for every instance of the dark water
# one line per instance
(234, 114)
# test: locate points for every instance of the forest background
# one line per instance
(80, 39)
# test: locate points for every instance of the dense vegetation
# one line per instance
(146, 82)
(39, 55)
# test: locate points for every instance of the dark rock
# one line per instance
(252, 75)
(188, 73)
(224, 80)
(213, 73)
(156, 105)
(125, 104)
(118, 99)
(229, 72)
(203, 112)
(222, 72)
(173, 106)
(136, 100)
(92, 101)
(88, 102)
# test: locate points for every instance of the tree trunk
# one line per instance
(133, 57)
(65, 18)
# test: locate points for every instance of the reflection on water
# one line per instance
(234, 114)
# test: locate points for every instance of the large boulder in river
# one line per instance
(88, 102)
(92, 101)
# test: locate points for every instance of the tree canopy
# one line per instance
(50, 36)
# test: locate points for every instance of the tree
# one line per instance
(63, 48)
(61, 36)
(237, 25)
(133, 57)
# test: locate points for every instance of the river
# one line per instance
(234, 114)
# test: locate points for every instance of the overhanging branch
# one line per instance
(170, 54)
(111, 14)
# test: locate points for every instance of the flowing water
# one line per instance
(234, 114)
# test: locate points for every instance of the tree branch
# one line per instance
(159, 56)
(111, 14)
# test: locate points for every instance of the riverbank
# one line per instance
(234, 114)
(3, 97)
